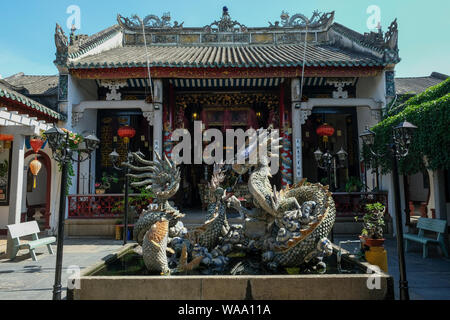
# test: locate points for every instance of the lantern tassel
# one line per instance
(34, 182)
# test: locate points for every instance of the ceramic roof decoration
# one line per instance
(227, 43)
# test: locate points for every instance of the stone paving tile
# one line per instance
(24, 279)
(428, 279)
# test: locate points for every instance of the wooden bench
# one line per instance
(434, 225)
(16, 231)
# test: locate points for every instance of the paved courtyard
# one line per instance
(428, 279)
(24, 279)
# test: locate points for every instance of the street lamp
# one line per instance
(58, 141)
(327, 161)
(126, 133)
(402, 135)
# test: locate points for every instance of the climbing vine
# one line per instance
(430, 112)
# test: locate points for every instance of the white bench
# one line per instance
(16, 231)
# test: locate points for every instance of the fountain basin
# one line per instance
(93, 286)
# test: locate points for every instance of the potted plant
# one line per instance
(101, 188)
(373, 223)
(353, 184)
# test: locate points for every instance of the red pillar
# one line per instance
(286, 150)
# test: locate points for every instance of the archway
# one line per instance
(47, 166)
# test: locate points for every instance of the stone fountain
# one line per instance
(279, 251)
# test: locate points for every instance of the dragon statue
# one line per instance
(286, 228)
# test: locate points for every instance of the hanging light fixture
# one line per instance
(126, 133)
(35, 167)
(367, 137)
(325, 131)
(36, 144)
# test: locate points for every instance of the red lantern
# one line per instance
(325, 131)
(35, 167)
(126, 133)
(36, 144)
(6, 137)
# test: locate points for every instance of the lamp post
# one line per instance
(59, 142)
(399, 148)
(327, 161)
(126, 133)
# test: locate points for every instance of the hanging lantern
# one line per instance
(6, 137)
(325, 131)
(5, 140)
(35, 167)
(36, 144)
(126, 133)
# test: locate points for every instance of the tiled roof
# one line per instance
(95, 40)
(317, 55)
(355, 36)
(416, 85)
(34, 85)
(8, 93)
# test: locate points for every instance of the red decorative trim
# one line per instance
(165, 72)
(48, 166)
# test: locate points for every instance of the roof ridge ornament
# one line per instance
(298, 20)
(150, 21)
(225, 24)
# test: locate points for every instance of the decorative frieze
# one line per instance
(150, 115)
(63, 85)
(150, 21)
(304, 114)
(390, 83)
(339, 84)
(317, 21)
(113, 85)
(76, 117)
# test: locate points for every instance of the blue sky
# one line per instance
(27, 36)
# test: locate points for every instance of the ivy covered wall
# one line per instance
(430, 112)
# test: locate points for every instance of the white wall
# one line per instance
(4, 213)
(81, 90)
(416, 188)
(86, 125)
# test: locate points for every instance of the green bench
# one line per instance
(425, 224)
(16, 231)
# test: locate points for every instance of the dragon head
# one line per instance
(161, 176)
(257, 153)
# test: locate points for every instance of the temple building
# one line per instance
(296, 74)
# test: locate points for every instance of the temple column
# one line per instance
(16, 191)
(158, 116)
(169, 123)
(286, 150)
